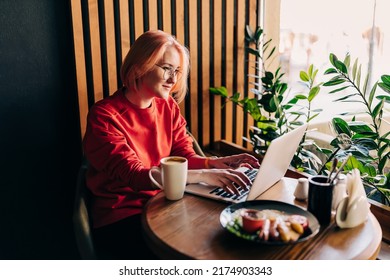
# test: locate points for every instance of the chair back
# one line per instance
(81, 219)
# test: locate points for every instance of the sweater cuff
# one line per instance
(197, 162)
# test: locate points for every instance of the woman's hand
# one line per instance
(233, 162)
(228, 179)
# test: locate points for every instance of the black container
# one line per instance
(320, 198)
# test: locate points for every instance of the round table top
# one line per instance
(190, 229)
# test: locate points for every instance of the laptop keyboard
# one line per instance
(251, 173)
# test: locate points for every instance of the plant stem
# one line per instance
(330, 158)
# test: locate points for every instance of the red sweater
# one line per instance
(122, 142)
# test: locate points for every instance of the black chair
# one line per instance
(81, 219)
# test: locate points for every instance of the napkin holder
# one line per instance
(353, 210)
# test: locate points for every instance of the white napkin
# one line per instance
(355, 187)
(353, 210)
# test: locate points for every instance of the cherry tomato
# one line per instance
(252, 220)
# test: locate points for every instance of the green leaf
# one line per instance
(313, 76)
(366, 138)
(384, 136)
(222, 91)
(384, 140)
(282, 88)
(372, 94)
(254, 51)
(268, 102)
(354, 69)
(359, 127)
(271, 53)
(341, 66)
(267, 126)
(330, 71)
(341, 126)
(290, 103)
(267, 42)
(269, 75)
(310, 71)
(304, 76)
(333, 59)
(313, 93)
(385, 87)
(347, 60)
(346, 97)
(365, 84)
(312, 117)
(370, 170)
(300, 96)
(334, 82)
(382, 150)
(384, 97)
(354, 163)
(378, 108)
(258, 34)
(338, 89)
(386, 79)
(249, 33)
(382, 164)
(235, 97)
(358, 76)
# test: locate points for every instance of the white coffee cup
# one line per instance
(173, 173)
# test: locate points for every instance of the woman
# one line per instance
(130, 131)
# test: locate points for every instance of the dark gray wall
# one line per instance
(39, 130)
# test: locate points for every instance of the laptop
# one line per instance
(272, 169)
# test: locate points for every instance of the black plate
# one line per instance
(229, 214)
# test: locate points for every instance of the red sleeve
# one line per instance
(108, 152)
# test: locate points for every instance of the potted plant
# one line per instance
(275, 113)
(272, 114)
(365, 141)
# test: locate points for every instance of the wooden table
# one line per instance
(190, 229)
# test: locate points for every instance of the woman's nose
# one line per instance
(172, 79)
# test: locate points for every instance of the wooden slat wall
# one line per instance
(213, 30)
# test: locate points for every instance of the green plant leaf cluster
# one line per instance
(272, 108)
(369, 148)
(275, 111)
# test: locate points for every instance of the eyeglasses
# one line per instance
(169, 72)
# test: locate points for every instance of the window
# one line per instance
(311, 30)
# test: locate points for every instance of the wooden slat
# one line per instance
(81, 76)
(125, 27)
(217, 68)
(193, 46)
(240, 75)
(180, 31)
(138, 18)
(229, 66)
(110, 46)
(167, 18)
(271, 30)
(153, 16)
(253, 24)
(222, 26)
(205, 74)
(95, 49)
(251, 64)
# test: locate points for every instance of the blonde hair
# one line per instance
(148, 50)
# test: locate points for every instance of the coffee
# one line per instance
(173, 160)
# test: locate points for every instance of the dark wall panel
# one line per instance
(39, 130)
